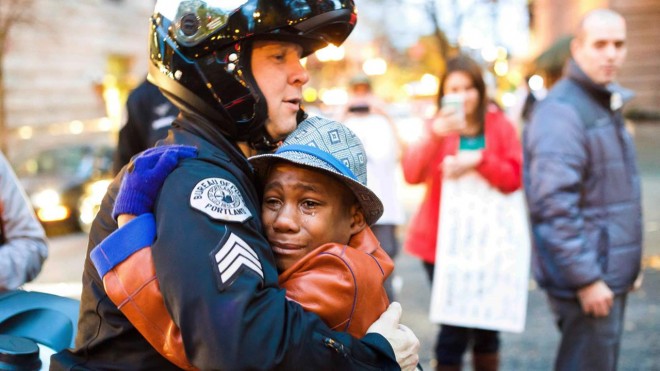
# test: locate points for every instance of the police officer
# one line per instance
(234, 73)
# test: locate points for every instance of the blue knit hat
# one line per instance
(329, 146)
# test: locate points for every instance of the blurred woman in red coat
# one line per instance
(489, 144)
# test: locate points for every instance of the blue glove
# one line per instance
(145, 176)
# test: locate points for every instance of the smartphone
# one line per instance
(362, 108)
(456, 101)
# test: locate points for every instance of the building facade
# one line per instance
(70, 65)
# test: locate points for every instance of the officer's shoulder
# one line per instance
(202, 167)
(212, 189)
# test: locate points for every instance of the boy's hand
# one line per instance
(145, 176)
(403, 341)
(123, 219)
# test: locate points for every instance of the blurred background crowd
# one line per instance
(68, 67)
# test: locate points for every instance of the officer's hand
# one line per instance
(145, 176)
(401, 338)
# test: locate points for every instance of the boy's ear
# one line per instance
(358, 221)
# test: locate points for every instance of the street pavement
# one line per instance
(533, 349)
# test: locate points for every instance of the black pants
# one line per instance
(587, 343)
(453, 341)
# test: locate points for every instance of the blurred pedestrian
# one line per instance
(361, 98)
(366, 116)
(526, 99)
(23, 245)
(480, 139)
(147, 117)
(583, 191)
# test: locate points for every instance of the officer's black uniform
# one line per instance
(149, 116)
(230, 319)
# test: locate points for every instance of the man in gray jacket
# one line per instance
(583, 191)
(22, 239)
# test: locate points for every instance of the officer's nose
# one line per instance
(298, 75)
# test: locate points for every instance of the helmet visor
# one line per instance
(195, 20)
(227, 21)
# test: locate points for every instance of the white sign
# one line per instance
(482, 261)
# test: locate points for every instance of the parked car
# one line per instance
(56, 178)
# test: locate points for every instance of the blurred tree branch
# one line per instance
(438, 33)
(12, 12)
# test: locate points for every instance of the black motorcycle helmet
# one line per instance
(200, 53)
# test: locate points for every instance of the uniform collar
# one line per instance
(210, 142)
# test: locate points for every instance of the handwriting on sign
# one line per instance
(482, 260)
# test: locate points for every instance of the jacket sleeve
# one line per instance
(501, 164)
(24, 249)
(242, 320)
(555, 150)
(419, 158)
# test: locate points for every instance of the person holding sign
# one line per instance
(465, 120)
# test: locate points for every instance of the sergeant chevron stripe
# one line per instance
(234, 254)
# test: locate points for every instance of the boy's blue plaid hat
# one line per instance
(323, 144)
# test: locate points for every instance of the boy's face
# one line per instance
(304, 209)
(280, 76)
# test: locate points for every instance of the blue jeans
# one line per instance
(453, 341)
(587, 343)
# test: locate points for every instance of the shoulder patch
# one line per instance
(220, 199)
(233, 256)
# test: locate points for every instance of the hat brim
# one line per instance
(371, 204)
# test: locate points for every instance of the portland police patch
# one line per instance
(220, 199)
